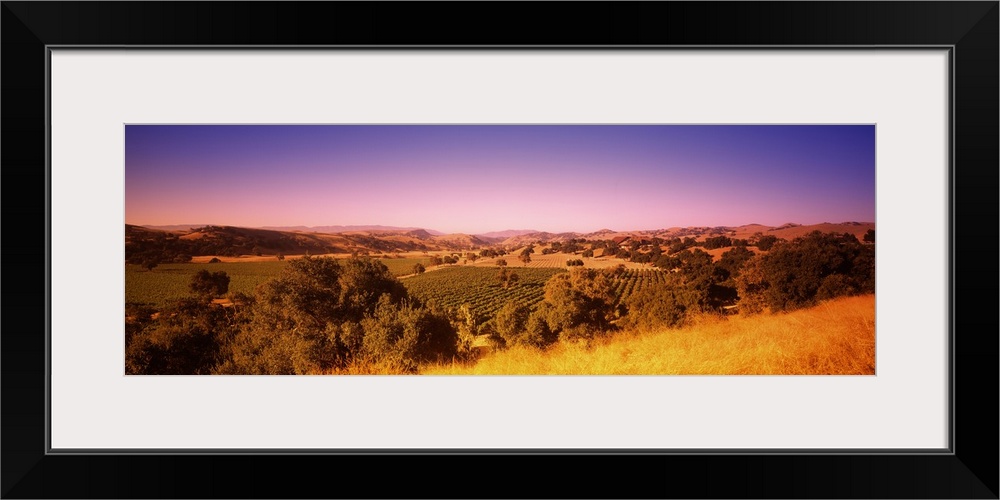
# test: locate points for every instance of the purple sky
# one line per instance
(480, 178)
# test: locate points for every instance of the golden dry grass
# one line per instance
(836, 337)
(361, 368)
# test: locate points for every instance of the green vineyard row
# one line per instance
(450, 287)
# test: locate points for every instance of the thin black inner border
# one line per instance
(949, 450)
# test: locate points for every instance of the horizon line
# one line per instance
(415, 228)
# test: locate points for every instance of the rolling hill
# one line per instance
(180, 242)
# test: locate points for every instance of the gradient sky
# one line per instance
(480, 178)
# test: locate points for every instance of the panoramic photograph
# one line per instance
(499, 250)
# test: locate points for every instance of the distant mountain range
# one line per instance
(205, 239)
(349, 229)
(506, 234)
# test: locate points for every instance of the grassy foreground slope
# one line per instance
(835, 337)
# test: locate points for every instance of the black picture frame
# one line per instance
(969, 28)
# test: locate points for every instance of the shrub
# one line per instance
(507, 278)
(731, 262)
(208, 285)
(766, 242)
(751, 286)
(813, 267)
(717, 242)
(510, 323)
(656, 307)
(835, 285)
(402, 336)
(186, 339)
(297, 319)
(324, 314)
(537, 331)
(150, 262)
(579, 303)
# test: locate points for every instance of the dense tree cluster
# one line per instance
(677, 244)
(209, 285)
(488, 253)
(319, 315)
(806, 270)
(717, 242)
(515, 325)
(764, 242)
(608, 247)
(790, 275)
(578, 304)
(654, 307)
(185, 338)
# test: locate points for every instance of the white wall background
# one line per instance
(94, 93)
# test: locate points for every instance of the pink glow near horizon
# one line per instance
(477, 178)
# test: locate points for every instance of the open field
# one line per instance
(835, 337)
(634, 280)
(170, 281)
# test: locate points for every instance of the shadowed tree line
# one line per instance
(320, 315)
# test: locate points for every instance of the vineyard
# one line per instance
(449, 287)
(633, 280)
(480, 288)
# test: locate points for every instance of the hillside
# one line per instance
(502, 235)
(178, 243)
(787, 231)
(345, 229)
(835, 337)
